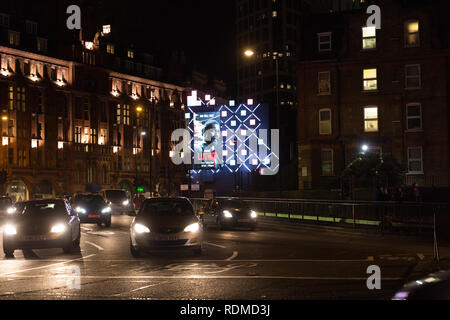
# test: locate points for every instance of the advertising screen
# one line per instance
(206, 136)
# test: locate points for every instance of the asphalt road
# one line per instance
(278, 261)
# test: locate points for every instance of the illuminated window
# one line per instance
(369, 38)
(126, 115)
(370, 79)
(324, 83)
(324, 41)
(412, 37)
(412, 76)
(77, 134)
(94, 136)
(14, 38)
(41, 44)
(371, 119)
(327, 162)
(131, 54)
(325, 122)
(414, 116)
(118, 114)
(110, 48)
(415, 160)
(107, 29)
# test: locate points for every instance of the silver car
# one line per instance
(165, 224)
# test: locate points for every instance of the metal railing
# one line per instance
(416, 216)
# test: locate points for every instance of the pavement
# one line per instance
(277, 261)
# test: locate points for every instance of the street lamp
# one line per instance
(364, 148)
(276, 56)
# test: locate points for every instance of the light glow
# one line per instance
(140, 228)
(195, 227)
(10, 230)
(59, 228)
(5, 141)
(227, 214)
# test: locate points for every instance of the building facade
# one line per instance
(366, 90)
(82, 113)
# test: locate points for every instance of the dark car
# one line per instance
(435, 286)
(42, 224)
(229, 213)
(92, 208)
(164, 224)
(119, 201)
(6, 207)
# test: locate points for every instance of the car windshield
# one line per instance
(116, 194)
(89, 200)
(5, 202)
(167, 208)
(233, 204)
(44, 208)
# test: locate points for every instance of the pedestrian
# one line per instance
(416, 192)
(399, 195)
(378, 194)
(385, 194)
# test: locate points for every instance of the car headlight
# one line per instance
(227, 214)
(59, 228)
(140, 228)
(10, 230)
(80, 210)
(106, 210)
(192, 228)
(253, 214)
(11, 210)
(126, 202)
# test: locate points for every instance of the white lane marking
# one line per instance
(243, 260)
(235, 254)
(141, 288)
(94, 245)
(86, 229)
(421, 256)
(215, 245)
(202, 277)
(46, 266)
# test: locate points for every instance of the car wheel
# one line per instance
(76, 243)
(9, 253)
(108, 222)
(69, 247)
(220, 224)
(134, 251)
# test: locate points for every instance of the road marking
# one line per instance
(202, 277)
(142, 288)
(235, 254)
(94, 245)
(86, 229)
(215, 245)
(46, 266)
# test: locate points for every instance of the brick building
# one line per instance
(385, 90)
(86, 110)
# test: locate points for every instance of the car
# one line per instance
(165, 224)
(42, 224)
(119, 201)
(6, 207)
(435, 286)
(92, 208)
(228, 214)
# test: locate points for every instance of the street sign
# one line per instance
(184, 187)
(195, 187)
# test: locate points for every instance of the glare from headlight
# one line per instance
(254, 215)
(227, 214)
(192, 228)
(140, 228)
(126, 202)
(11, 210)
(59, 228)
(10, 230)
(80, 210)
(106, 210)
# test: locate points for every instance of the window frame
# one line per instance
(415, 76)
(369, 37)
(319, 42)
(325, 122)
(406, 33)
(377, 119)
(408, 117)
(370, 79)
(415, 159)
(319, 82)
(322, 162)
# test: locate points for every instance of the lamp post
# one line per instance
(249, 53)
(139, 110)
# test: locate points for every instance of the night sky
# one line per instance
(204, 30)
